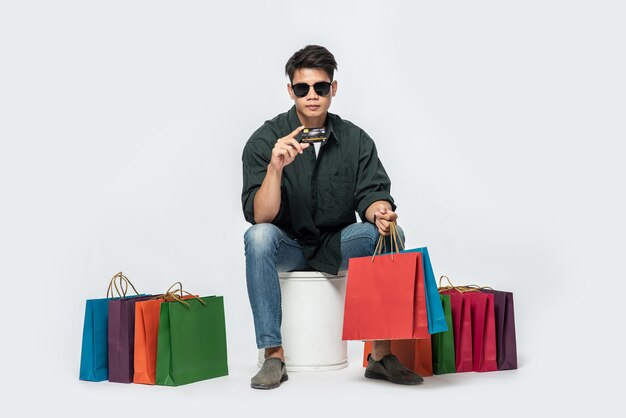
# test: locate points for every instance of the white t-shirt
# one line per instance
(317, 146)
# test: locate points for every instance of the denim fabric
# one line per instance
(269, 250)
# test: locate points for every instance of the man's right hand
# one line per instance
(287, 149)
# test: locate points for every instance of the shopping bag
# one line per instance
(146, 330)
(506, 346)
(483, 331)
(386, 295)
(147, 315)
(122, 338)
(443, 343)
(94, 357)
(474, 314)
(462, 330)
(436, 318)
(191, 344)
(385, 298)
(413, 354)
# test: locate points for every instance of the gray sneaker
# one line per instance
(271, 375)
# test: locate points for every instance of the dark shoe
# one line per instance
(271, 375)
(389, 368)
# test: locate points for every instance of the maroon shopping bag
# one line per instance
(506, 346)
(462, 328)
(122, 338)
(483, 331)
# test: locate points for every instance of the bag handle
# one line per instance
(168, 295)
(477, 287)
(177, 295)
(460, 289)
(123, 281)
(381, 245)
(396, 237)
(173, 297)
(180, 288)
(464, 288)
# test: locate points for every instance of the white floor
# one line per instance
(532, 389)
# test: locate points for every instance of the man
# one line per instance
(301, 200)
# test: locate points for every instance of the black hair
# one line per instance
(311, 56)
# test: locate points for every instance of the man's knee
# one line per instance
(261, 236)
(371, 233)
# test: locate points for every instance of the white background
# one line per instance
(500, 124)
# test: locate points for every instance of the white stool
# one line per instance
(312, 324)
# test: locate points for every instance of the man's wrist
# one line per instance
(273, 171)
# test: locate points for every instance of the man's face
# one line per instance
(312, 105)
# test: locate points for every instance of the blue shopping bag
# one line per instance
(94, 356)
(436, 318)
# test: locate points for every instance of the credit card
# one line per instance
(313, 135)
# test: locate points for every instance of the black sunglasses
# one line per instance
(302, 89)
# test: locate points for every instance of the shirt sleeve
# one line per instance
(372, 182)
(255, 159)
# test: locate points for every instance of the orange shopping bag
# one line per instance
(147, 314)
(146, 331)
(416, 355)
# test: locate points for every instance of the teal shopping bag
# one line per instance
(94, 354)
(436, 318)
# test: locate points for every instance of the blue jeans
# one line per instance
(269, 250)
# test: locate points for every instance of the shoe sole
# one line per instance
(267, 387)
(374, 375)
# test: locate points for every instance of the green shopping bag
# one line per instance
(443, 343)
(191, 344)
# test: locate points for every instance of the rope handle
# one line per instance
(172, 297)
(178, 295)
(477, 287)
(121, 290)
(381, 245)
(180, 288)
(460, 289)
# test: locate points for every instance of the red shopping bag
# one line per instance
(473, 319)
(385, 298)
(483, 331)
(416, 355)
(462, 326)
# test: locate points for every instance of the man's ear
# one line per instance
(333, 86)
(290, 91)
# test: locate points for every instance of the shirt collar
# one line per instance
(294, 122)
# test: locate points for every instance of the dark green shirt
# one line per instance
(319, 196)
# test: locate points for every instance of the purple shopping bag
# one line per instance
(122, 338)
(505, 329)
